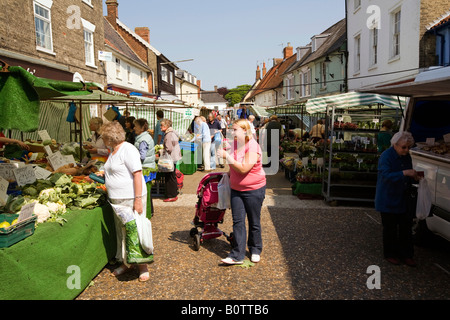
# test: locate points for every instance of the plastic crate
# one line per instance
(17, 232)
(190, 146)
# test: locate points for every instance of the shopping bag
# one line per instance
(423, 200)
(165, 163)
(144, 228)
(224, 192)
(138, 234)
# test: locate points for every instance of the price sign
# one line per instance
(41, 173)
(48, 150)
(431, 141)
(24, 175)
(447, 138)
(26, 211)
(44, 135)
(3, 189)
(6, 171)
(56, 160)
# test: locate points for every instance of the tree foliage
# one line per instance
(236, 95)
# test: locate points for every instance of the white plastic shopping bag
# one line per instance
(224, 192)
(144, 228)
(423, 200)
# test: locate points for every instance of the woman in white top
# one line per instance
(125, 185)
(96, 146)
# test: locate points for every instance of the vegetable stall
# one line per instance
(56, 228)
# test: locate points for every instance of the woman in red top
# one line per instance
(248, 189)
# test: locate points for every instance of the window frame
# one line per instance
(46, 7)
(374, 38)
(357, 52)
(396, 26)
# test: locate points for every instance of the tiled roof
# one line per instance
(442, 20)
(115, 41)
(212, 97)
(274, 77)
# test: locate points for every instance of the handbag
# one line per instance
(224, 192)
(165, 163)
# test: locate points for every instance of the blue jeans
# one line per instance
(246, 203)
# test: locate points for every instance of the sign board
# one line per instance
(188, 114)
(41, 173)
(24, 175)
(26, 211)
(3, 191)
(56, 160)
(44, 135)
(6, 170)
(105, 56)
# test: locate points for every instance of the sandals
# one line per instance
(120, 270)
(144, 275)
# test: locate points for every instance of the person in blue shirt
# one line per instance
(158, 135)
(395, 176)
(203, 138)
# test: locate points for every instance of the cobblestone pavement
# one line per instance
(311, 252)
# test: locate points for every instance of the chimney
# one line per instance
(199, 85)
(113, 12)
(258, 74)
(264, 70)
(288, 51)
(143, 32)
(215, 88)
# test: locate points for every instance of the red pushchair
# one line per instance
(207, 216)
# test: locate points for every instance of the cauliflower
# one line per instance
(56, 207)
(42, 212)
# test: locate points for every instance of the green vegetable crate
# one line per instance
(16, 232)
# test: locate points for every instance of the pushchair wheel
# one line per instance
(193, 232)
(197, 241)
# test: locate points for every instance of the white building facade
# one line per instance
(383, 41)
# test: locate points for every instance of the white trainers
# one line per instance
(255, 258)
(231, 261)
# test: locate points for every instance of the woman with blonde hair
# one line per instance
(248, 189)
(125, 185)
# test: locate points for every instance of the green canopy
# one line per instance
(352, 100)
(21, 92)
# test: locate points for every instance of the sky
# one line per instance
(228, 39)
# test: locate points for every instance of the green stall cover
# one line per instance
(21, 92)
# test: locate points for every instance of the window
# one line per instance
(373, 46)
(357, 53)
(142, 77)
(43, 28)
(164, 74)
(88, 30)
(89, 48)
(290, 87)
(396, 17)
(129, 74)
(306, 86)
(323, 67)
(118, 69)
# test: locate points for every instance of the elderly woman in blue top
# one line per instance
(144, 143)
(395, 175)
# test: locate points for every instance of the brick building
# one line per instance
(53, 39)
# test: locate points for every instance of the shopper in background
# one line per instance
(125, 186)
(158, 134)
(385, 135)
(96, 147)
(215, 131)
(203, 138)
(172, 148)
(317, 132)
(395, 175)
(130, 135)
(273, 128)
(248, 188)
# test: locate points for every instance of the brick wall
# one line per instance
(430, 11)
(17, 35)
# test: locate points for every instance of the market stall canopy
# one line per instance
(21, 92)
(260, 111)
(96, 96)
(352, 100)
(432, 83)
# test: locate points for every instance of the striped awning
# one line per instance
(354, 100)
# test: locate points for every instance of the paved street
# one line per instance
(311, 252)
